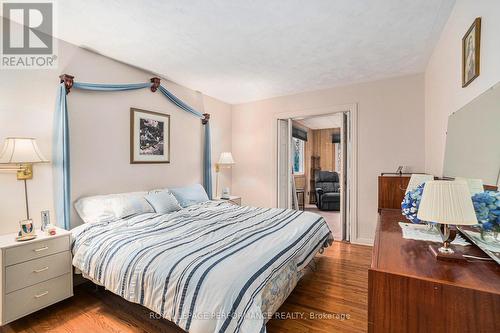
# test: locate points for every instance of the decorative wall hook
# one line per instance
(155, 83)
(68, 81)
(206, 117)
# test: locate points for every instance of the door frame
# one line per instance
(280, 197)
(351, 173)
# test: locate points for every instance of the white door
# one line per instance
(284, 163)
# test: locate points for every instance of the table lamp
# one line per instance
(19, 154)
(476, 185)
(448, 203)
(225, 161)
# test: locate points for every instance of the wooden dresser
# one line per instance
(410, 291)
(391, 190)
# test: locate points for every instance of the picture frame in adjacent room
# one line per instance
(471, 51)
(149, 137)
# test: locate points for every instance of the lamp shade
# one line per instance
(417, 179)
(226, 158)
(21, 150)
(475, 185)
(447, 202)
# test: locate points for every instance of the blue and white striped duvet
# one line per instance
(212, 267)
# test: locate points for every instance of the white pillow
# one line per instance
(190, 195)
(106, 208)
(129, 204)
(163, 202)
(95, 209)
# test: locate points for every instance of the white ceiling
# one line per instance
(241, 50)
(322, 122)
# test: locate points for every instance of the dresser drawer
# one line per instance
(37, 270)
(28, 251)
(28, 300)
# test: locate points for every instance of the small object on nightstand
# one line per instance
(45, 219)
(50, 230)
(27, 231)
(225, 193)
(21, 238)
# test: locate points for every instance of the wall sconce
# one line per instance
(19, 155)
(225, 161)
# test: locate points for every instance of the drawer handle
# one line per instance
(40, 270)
(42, 294)
(41, 249)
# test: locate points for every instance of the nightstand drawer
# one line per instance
(37, 270)
(33, 250)
(27, 300)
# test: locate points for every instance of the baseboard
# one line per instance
(363, 241)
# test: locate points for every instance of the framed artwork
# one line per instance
(471, 44)
(149, 137)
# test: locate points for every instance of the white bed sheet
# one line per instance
(211, 267)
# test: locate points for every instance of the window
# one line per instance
(298, 155)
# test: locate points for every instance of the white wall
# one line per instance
(390, 133)
(443, 83)
(392, 123)
(99, 123)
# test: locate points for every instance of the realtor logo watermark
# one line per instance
(27, 35)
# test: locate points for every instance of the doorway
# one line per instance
(314, 168)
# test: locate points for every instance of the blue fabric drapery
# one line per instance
(207, 162)
(179, 103)
(61, 151)
(110, 87)
(207, 156)
(60, 160)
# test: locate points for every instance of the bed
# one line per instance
(210, 267)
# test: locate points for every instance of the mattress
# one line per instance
(211, 267)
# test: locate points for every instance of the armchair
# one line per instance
(327, 190)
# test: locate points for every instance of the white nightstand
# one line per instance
(236, 200)
(35, 273)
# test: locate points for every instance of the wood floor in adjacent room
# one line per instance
(335, 293)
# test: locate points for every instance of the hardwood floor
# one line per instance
(339, 286)
(335, 292)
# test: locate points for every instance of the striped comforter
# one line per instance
(211, 267)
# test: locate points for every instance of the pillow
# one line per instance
(163, 202)
(190, 195)
(107, 208)
(129, 204)
(95, 209)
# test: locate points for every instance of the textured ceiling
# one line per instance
(240, 50)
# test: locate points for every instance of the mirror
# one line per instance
(473, 151)
(473, 139)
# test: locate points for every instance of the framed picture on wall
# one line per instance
(471, 43)
(149, 137)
